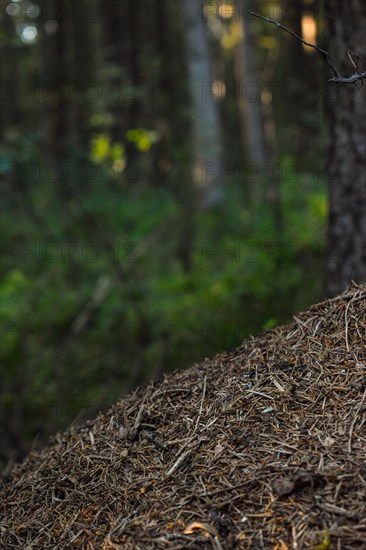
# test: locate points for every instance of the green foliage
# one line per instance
(102, 151)
(325, 544)
(154, 311)
(143, 139)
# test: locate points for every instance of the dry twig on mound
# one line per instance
(261, 447)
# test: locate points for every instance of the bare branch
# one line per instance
(349, 79)
(325, 53)
(351, 55)
(354, 63)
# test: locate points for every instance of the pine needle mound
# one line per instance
(260, 447)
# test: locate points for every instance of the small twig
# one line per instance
(121, 525)
(346, 318)
(346, 325)
(354, 422)
(337, 510)
(201, 406)
(354, 63)
(177, 463)
(260, 393)
(182, 455)
(134, 430)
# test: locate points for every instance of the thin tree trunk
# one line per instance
(55, 80)
(205, 117)
(250, 104)
(83, 70)
(121, 41)
(346, 170)
(174, 146)
(297, 57)
(10, 116)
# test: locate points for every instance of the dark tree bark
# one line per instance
(346, 170)
(55, 78)
(10, 116)
(121, 44)
(174, 146)
(83, 73)
(297, 59)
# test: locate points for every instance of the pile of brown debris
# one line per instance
(260, 447)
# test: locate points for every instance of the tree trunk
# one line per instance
(122, 78)
(251, 105)
(11, 116)
(55, 79)
(205, 117)
(83, 73)
(346, 170)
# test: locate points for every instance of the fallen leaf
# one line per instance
(207, 529)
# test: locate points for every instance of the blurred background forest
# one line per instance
(162, 189)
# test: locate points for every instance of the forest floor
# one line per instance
(261, 447)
